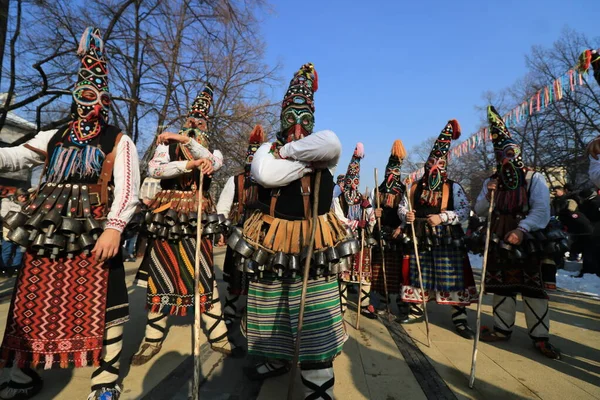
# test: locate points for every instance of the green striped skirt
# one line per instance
(272, 319)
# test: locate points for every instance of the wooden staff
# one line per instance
(385, 286)
(417, 259)
(360, 267)
(311, 245)
(481, 289)
(197, 319)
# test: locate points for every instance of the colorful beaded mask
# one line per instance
(435, 167)
(392, 182)
(91, 98)
(352, 178)
(509, 160)
(196, 125)
(297, 108)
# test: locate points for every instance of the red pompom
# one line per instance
(455, 129)
(258, 135)
(585, 59)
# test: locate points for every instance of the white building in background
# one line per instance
(13, 132)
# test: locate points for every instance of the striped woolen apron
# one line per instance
(272, 319)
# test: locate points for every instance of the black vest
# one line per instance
(105, 141)
(422, 211)
(185, 181)
(290, 203)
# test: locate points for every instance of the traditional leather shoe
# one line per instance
(464, 330)
(368, 311)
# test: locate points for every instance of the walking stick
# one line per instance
(385, 286)
(360, 271)
(197, 319)
(417, 259)
(311, 245)
(481, 289)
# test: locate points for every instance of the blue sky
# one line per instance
(398, 69)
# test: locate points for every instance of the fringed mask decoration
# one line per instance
(196, 124)
(510, 168)
(392, 189)
(436, 173)
(351, 188)
(590, 58)
(91, 98)
(298, 107)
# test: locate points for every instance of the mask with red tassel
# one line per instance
(436, 173)
(392, 189)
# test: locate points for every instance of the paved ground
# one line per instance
(380, 361)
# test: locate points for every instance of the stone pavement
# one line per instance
(380, 361)
(514, 369)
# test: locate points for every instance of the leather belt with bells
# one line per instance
(85, 202)
(61, 201)
(40, 198)
(73, 208)
(51, 200)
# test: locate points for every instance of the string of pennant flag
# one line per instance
(536, 103)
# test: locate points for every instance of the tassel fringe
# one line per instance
(74, 162)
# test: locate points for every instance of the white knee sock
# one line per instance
(537, 316)
(365, 297)
(156, 327)
(318, 383)
(505, 309)
(107, 374)
(344, 296)
(214, 322)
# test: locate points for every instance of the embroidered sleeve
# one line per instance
(403, 208)
(337, 209)
(322, 147)
(126, 177)
(161, 166)
(26, 155)
(538, 216)
(198, 151)
(226, 198)
(462, 209)
(482, 204)
(217, 159)
(271, 172)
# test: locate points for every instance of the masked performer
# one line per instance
(239, 190)
(70, 299)
(348, 207)
(172, 222)
(391, 193)
(276, 235)
(522, 209)
(439, 207)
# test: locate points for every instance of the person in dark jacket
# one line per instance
(590, 207)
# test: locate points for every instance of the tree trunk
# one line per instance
(3, 29)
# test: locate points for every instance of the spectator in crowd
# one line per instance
(11, 253)
(590, 207)
(580, 230)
